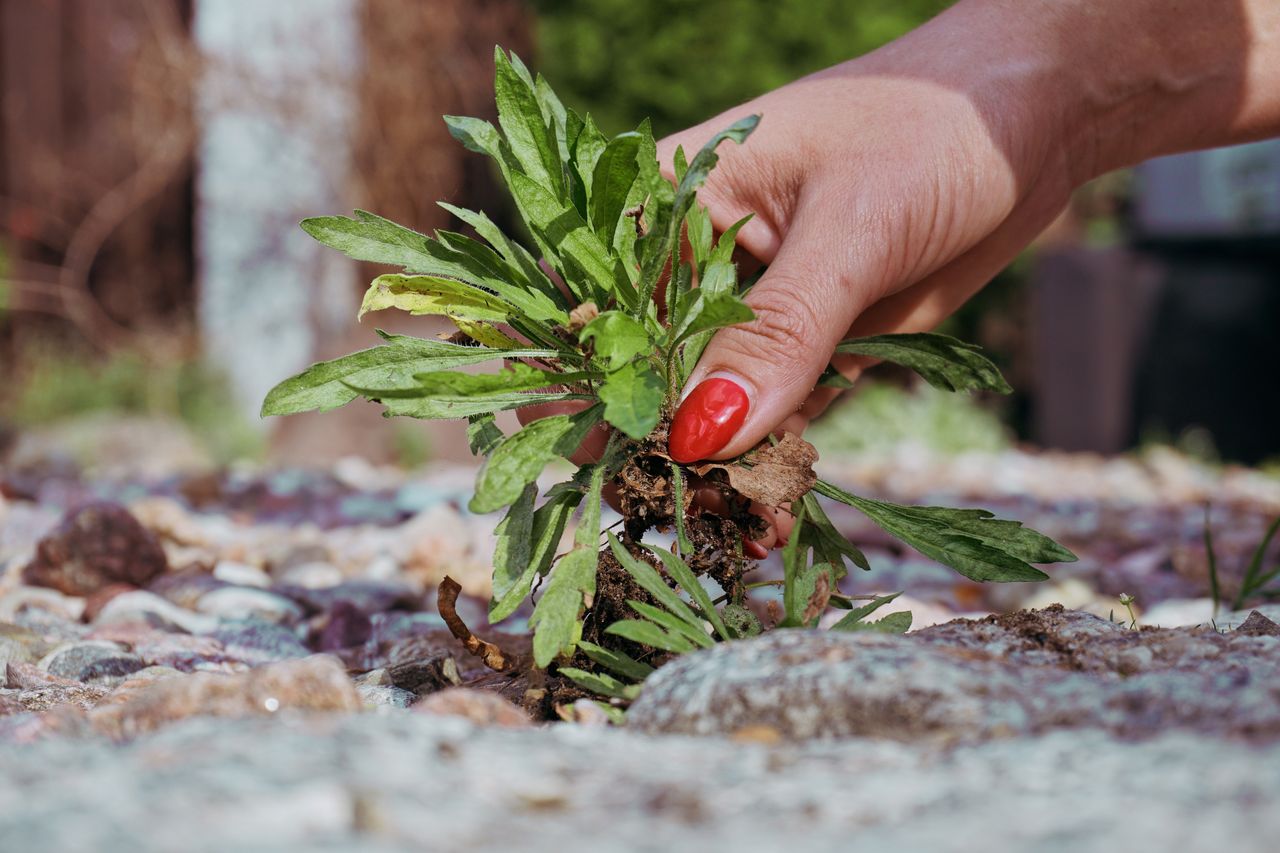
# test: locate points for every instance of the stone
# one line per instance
(425, 675)
(377, 697)
(1258, 625)
(317, 683)
(972, 680)
(23, 600)
(185, 588)
(313, 575)
(90, 661)
(481, 707)
(239, 602)
(241, 574)
(161, 648)
(257, 643)
(96, 545)
(147, 608)
(21, 645)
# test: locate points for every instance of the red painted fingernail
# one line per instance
(754, 550)
(707, 419)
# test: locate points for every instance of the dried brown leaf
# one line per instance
(773, 476)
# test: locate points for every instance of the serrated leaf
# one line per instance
(515, 376)
(621, 664)
(827, 543)
(520, 458)
(740, 621)
(428, 294)
(632, 397)
(549, 522)
(588, 270)
(685, 578)
(672, 623)
(600, 684)
(518, 259)
(483, 434)
(617, 338)
(723, 252)
(369, 237)
(520, 115)
(894, 623)
(707, 312)
(587, 149)
(409, 404)
(555, 618)
(942, 361)
(615, 172)
(649, 634)
(981, 556)
(651, 582)
(860, 613)
(327, 385)
(698, 229)
(514, 548)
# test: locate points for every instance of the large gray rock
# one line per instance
(414, 782)
(1018, 674)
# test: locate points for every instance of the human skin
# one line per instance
(888, 189)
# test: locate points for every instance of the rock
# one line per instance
(161, 648)
(367, 597)
(185, 588)
(343, 627)
(312, 575)
(1258, 625)
(38, 691)
(20, 645)
(316, 683)
(91, 661)
(257, 643)
(479, 706)
(94, 603)
(94, 546)
(378, 697)
(147, 608)
(26, 599)
(241, 574)
(1019, 674)
(239, 602)
(1231, 621)
(425, 675)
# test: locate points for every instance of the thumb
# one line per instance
(753, 376)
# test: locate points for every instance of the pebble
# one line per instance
(140, 606)
(21, 645)
(94, 546)
(317, 683)
(481, 707)
(377, 697)
(90, 661)
(239, 602)
(255, 643)
(241, 574)
(25, 599)
(313, 575)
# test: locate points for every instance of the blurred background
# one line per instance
(156, 155)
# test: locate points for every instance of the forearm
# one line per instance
(1110, 82)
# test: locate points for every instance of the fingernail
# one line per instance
(709, 416)
(754, 550)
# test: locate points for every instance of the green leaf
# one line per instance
(632, 397)
(621, 664)
(429, 294)
(820, 534)
(723, 252)
(894, 623)
(617, 338)
(556, 617)
(856, 615)
(520, 115)
(941, 360)
(520, 263)
(793, 565)
(327, 385)
(483, 434)
(514, 548)
(516, 376)
(519, 459)
(707, 312)
(676, 625)
(585, 259)
(587, 149)
(600, 684)
(649, 634)
(371, 238)
(965, 540)
(684, 576)
(549, 522)
(659, 243)
(409, 404)
(481, 137)
(698, 228)
(615, 172)
(651, 582)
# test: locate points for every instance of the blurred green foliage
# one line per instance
(682, 61)
(879, 416)
(56, 385)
